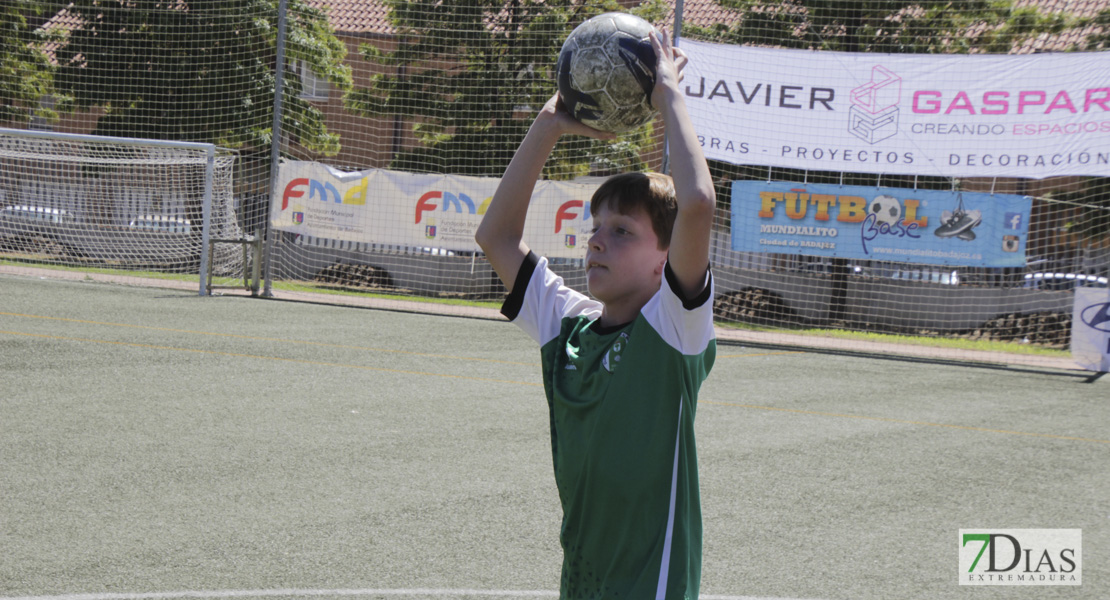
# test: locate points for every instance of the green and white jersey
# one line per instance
(622, 405)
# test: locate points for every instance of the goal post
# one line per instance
(120, 203)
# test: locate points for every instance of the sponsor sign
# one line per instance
(421, 210)
(1090, 328)
(880, 223)
(940, 114)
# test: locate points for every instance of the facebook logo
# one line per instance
(1014, 220)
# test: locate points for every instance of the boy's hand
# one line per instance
(669, 63)
(555, 113)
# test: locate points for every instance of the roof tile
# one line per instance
(356, 16)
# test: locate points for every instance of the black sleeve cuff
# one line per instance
(696, 301)
(515, 300)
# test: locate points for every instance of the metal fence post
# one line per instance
(675, 34)
(275, 145)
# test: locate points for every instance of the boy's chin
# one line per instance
(595, 284)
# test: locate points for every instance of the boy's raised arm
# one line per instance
(501, 232)
(689, 250)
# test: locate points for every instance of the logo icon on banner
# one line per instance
(430, 231)
(887, 209)
(1097, 316)
(323, 191)
(460, 203)
(1010, 243)
(571, 241)
(960, 222)
(1013, 220)
(873, 116)
(298, 218)
(570, 211)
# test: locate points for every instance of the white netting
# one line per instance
(99, 202)
(425, 87)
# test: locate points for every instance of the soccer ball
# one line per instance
(886, 209)
(606, 72)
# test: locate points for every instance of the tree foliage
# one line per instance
(470, 74)
(198, 70)
(25, 70)
(889, 26)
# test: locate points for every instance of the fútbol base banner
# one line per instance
(880, 223)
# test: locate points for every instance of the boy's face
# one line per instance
(624, 264)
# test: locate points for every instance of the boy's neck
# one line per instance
(625, 309)
(607, 320)
(620, 313)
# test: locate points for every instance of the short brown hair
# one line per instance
(651, 192)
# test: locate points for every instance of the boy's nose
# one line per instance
(594, 242)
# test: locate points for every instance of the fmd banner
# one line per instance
(880, 223)
(953, 115)
(421, 210)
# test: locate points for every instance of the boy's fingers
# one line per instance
(574, 126)
(680, 60)
(656, 44)
(661, 43)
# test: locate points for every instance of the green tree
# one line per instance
(469, 75)
(891, 26)
(25, 69)
(198, 70)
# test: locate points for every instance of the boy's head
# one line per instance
(632, 219)
(652, 193)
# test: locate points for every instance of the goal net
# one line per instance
(119, 203)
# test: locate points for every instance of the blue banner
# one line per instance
(880, 223)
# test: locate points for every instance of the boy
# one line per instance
(621, 373)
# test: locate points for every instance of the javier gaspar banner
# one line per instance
(949, 115)
(880, 223)
(421, 210)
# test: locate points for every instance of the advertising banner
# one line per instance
(1090, 328)
(949, 115)
(421, 210)
(880, 223)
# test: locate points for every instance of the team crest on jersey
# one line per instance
(612, 358)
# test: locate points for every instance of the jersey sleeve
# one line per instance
(684, 323)
(540, 301)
